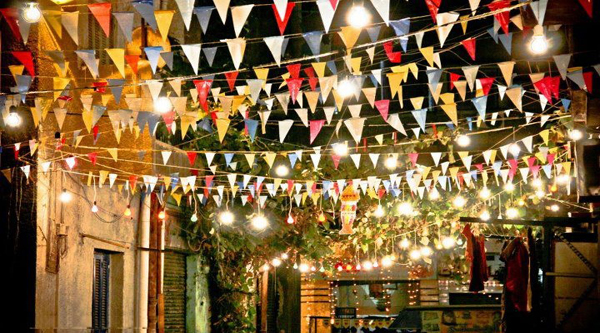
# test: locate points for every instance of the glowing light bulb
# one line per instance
(322, 218)
(512, 213)
(575, 135)
(404, 243)
(514, 149)
(276, 262)
(391, 162)
(346, 88)
(538, 44)
(94, 208)
(463, 140)
(358, 267)
(31, 13)
(509, 187)
(379, 212)
(448, 242)
(13, 119)
(405, 208)
(540, 194)
(521, 202)
(386, 261)
(127, 211)
(554, 208)
(163, 105)
(260, 222)
(553, 188)
(459, 202)
(304, 268)
(65, 196)
(358, 17)
(226, 217)
(340, 149)
(282, 170)
(162, 215)
(290, 219)
(485, 193)
(426, 251)
(415, 254)
(375, 264)
(367, 265)
(265, 267)
(537, 183)
(564, 179)
(295, 266)
(484, 216)
(194, 218)
(285, 256)
(434, 194)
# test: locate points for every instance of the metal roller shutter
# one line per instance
(174, 290)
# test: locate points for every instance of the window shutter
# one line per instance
(100, 292)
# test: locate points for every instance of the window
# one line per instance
(100, 306)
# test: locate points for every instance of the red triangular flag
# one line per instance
(543, 87)
(383, 106)
(294, 86)
(587, 78)
(336, 160)
(132, 181)
(209, 181)
(132, 60)
(312, 79)
(231, 77)
(95, 132)
(395, 57)
(315, 128)
(100, 87)
(26, 59)
(479, 167)
(294, 70)
(469, 44)
(433, 6)
(486, 84)
(588, 6)
(333, 3)
(203, 87)
(290, 186)
(454, 78)
(191, 157)
(413, 158)
(11, 15)
(503, 17)
(93, 157)
(101, 12)
(288, 12)
(169, 118)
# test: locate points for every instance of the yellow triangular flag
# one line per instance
(319, 68)
(349, 36)
(339, 100)
(177, 197)
(355, 63)
(103, 175)
(544, 134)
(113, 152)
(270, 158)
(428, 54)
(118, 58)
(222, 127)
(463, 23)
(16, 70)
(447, 98)
(87, 117)
(163, 20)
(262, 74)
(450, 110)
(395, 79)
(59, 85)
(35, 116)
(250, 159)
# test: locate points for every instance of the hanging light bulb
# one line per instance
(537, 183)
(404, 243)
(463, 140)
(346, 88)
(405, 208)
(564, 179)
(514, 149)
(434, 194)
(260, 222)
(375, 264)
(554, 208)
(282, 170)
(426, 251)
(340, 148)
(304, 268)
(295, 266)
(553, 188)
(448, 242)
(226, 217)
(575, 135)
(512, 213)
(13, 119)
(386, 261)
(194, 218)
(127, 211)
(538, 44)
(415, 254)
(162, 215)
(367, 265)
(284, 256)
(94, 208)
(484, 216)
(31, 13)
(540, 194)
(379, 212)
(290, 219)
(276, 262)
(391, 162)
(322, 218)
(65, 196)
(265, 267)
(163, 105)
(521, 202)
(509, 187)
(459, 202)
(485, 193)
(358, 17)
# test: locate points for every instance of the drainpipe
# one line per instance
(143, 263)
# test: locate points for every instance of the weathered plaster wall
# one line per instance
(64, 299)
(198, 301)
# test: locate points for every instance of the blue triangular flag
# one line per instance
(209, 53)
(470, 123)
(481, 105)
(313, 39)
(168, 58)
(493, 33)
(203, 15)
(153, 54)
(293, 158)
(420, 116)
(404, 43)
(205, 124)
(146, 11)
(228, 158)
(401, 27)
(433, 77)
(116, 87)
(331, 66)
(374, 32)
(374, 80)
(450, 125)
(251, 125)
(506, 42)
(566, 103)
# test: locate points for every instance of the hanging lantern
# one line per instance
(349, 199)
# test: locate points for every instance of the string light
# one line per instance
(304, 268)
(463, 140)
(226, 217)
(554, 208)
(162, 215)
(564, 179)
(282, 170)
(537, 183)
(367, 265)
(65, 196)
(265, 267)
(538, 44)
(448, 242)
(514, 149)
(276, 262)
(405, 208)
(346, 88)
(426, 251)
(127, 211)
(512, 213)
(484, 216)
(260, 222)
(13, 119)
(322, 218)
(194, 218)
(485, 193)
(459, 202)
(285, 256)
(290, 219)
(31, 13)
(391, 162)
(509, 187)
(379, 212)
(434, 194)
(404, 243)
(540, 194)
(94, 208)
(340, 149)
(575, 135)
(162, 105)
(415, 254)
(386, 261)
(358, 17)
